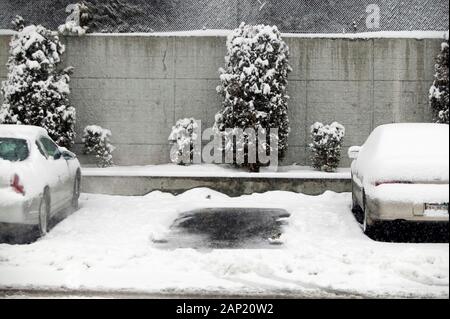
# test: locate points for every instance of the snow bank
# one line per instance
(210, 170)
(107, 245)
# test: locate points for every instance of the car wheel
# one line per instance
(76, 191)
(44, 214)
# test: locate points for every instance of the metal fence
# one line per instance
(301, 16)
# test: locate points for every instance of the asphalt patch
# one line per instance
(216, 228)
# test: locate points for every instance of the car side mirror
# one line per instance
(57, 155)
(353, 152)
(66, 154)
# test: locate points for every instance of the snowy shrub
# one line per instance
(36, 90)
(183, 138)
(74, 23)
(253, 85)
(326, 145)
(125, 16)
(97, 142)
(439, 90)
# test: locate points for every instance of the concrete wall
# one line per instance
(138, 86)
(234, 186)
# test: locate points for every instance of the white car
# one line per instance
(38, 179)
(402, 173)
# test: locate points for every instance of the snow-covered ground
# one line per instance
(107, 245)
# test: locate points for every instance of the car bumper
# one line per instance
(394, 203)
(382, 210)
(17, 209)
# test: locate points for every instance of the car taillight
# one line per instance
(16, 185)
(392, 182)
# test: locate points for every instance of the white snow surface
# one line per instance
(28, 132)
(413, 34)
(362, 35)
(211, 170)
(106, 245)
(411, 193)
(408, 152)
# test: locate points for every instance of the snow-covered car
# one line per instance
(38, 179)
(402, 173)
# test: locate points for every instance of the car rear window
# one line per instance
(13, 149)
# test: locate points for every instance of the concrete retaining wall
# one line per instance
(141, 185)
(138, 86)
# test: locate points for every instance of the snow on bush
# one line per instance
(74, 22)
(114, 16)
(36, 90)
(439, 90)
(326, 145)
(183, 139)
(97, 142)
(254, 84)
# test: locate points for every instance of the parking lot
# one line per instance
(129, 245)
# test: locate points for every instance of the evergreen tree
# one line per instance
(439, 89)
(254, 85)
(36, 91)
(326, 145)
(183, 138)
(97, 142)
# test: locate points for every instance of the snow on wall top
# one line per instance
(224, 33)
(296, 16)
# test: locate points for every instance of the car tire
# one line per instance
(76, 191)
(44, 214)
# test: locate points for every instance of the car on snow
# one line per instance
(402, 173)
(38, 179)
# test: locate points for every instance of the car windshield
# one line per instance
(12, 149)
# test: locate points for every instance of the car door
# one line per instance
(59, 171)
(73, 165)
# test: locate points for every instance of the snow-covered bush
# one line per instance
(126, 16)
(439, 90)
(74, 23)
(326, 145)
(254, 84)
(36, 90)
(183, 139)
(97, 142)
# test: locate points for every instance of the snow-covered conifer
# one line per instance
(326, 145)
(97, 142)
(439, 90)
(36, 90)
(254, 85)
(183, 139)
